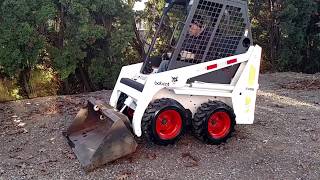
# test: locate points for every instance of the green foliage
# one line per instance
(104, 77)
(95, 35)
(287, 31)
(294, 21)
(66, 59)
(78, 36)
(21, 41)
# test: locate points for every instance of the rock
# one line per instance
(2, 171)
(21, 124)
(309, 130)
(25, 131)
(21, 165)
(314, 137)
(19, 157)
(42, 150)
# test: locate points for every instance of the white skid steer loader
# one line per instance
(208, 81)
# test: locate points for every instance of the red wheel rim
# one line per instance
(168, 124)
(219, 125)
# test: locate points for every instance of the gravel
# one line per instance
(282, 144)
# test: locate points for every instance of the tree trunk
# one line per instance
(61, 27)
(66, 86)
(85, 79)
(24, 78)
(274, 33)
(138, 43)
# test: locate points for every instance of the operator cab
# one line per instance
(204, 30)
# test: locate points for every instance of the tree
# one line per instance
(93, 35)
(22, 40)
(312, 53)
(287, 31)
(294, 21)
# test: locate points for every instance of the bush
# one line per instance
(43, 82)
(9, 90)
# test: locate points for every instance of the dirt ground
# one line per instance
(284, 142)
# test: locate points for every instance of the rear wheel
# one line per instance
(163, 121)
(214, 122)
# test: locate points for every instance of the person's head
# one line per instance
(196, 26)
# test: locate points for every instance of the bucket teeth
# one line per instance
(99, 134)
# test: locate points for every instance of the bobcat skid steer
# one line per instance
(206, 80)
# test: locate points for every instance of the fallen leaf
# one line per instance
(70, 156)
(192, 161)
(152, 156)
(124, 175)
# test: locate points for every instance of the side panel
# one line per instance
(126, 72)
(245, 92)
(191, 102)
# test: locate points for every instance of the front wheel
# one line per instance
(164, 121)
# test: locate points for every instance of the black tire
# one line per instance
(153, 111)
(120, 103)
(201, 119)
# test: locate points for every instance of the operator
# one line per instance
(195, 40)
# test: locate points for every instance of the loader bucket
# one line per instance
(99, 134)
